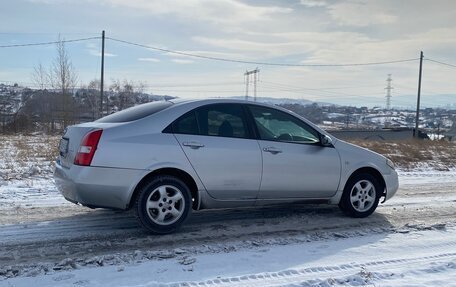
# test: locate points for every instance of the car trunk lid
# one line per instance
(71, 140)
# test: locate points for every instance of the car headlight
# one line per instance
(390, 163)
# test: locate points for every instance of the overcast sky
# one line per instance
(293, 32)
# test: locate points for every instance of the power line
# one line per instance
(254, 62)
(50, 87)
(193, 85)
(326, 89)
(48, 43)
(198, 91)
(314, 90)
(317, 94)
(441, 63)
(46, 33)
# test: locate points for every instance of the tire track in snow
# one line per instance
(102, 232)
(306, 276)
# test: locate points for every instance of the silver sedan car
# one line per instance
(165, 159)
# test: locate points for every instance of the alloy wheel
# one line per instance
(363, 195)
(165, 205)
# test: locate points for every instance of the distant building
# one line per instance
(378, 134)
(451, 134)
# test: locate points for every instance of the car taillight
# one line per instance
(87, 148)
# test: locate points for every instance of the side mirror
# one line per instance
(326, 141)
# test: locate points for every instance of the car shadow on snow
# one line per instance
(301, 217)
(286, 219)
(224, 230)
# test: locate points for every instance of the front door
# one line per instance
(295, 164)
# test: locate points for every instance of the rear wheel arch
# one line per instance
(178, 173)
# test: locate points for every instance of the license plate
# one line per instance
(63, 147)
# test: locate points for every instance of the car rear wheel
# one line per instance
(163, 204)
(361, 195)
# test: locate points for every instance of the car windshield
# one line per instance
(136, 112)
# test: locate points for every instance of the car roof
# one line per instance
(201, 102)
(216, 101)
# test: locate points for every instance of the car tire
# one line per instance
(361, 195)
(163, 204)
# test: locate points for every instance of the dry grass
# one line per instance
(412, 154)
(22, 156)
(25, 156)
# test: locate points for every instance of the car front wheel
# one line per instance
(163, 204)
(361, 195)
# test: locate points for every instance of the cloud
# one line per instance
(226, 12)
(98, 54)
(94, 50)
(182, 61)
(50, 2)
(300, 31)
(361, 13)
(207, 53)
(155, 60)
(314, 3)
(285, 44)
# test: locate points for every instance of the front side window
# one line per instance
(276, 125)
(223, 120)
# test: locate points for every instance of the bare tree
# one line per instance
(140, 87)
(126, 93)
(44, 100)
(63, 78)
(89, 98)
(20, 120)
(40, 77)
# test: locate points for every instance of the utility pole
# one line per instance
(102, 75)
(388, 92)
(246, 85)
(417, 119)
(247, 81)
(388, 101)
(255, 79)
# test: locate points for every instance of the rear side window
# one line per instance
(136, 113)
(186, 124)
(222, 120)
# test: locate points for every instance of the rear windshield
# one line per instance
(135, 113)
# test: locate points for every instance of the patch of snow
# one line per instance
(31, 192)
(425, 176)
(428, 259)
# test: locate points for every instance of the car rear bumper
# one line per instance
(97, 186)
(392, 184)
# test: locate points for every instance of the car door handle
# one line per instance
(272, 150)
(193, 145)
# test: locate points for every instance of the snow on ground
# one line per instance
(428, 258)
(46, 241)
(39, 190)
(30, 192)
(426, 176)
(410, 241)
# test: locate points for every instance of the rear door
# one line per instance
(295, 165)
(219, 144)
